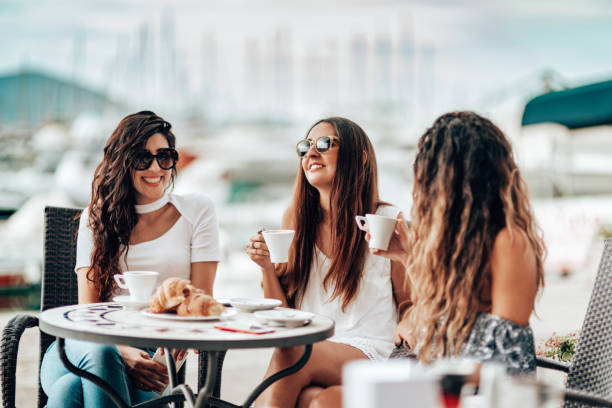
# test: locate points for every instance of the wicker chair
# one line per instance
(589, 374)
(59, 288)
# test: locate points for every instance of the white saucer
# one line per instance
(128, 303)
(253, 304)
(285, 317)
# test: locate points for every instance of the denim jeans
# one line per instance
(65, 389)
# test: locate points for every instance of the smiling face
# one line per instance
(151, 184)
(320, 168)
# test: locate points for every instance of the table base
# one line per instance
(183, 392)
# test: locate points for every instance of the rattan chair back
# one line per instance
(591, 367)
(59, 282)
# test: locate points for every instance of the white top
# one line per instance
(193, 238)
(370, 319)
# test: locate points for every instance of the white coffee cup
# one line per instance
(140, 284)
(278, 242)
(380, 228)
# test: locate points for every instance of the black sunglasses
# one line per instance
(322, 144)
(166, 158)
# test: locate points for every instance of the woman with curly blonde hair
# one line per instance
(473, 254)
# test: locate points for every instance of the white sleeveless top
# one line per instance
(370, 320)
(193, 238)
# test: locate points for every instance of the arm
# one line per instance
(86, 288)
(513, 276)
(401, 289)
(504, 335)
(401, 293)
(203, 275)
(258, 252)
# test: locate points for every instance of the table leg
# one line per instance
(281, 374)
(112, 394)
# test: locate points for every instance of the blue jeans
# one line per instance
(65, 389)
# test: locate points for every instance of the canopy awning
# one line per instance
(589, 105)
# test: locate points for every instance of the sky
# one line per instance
(483, 50)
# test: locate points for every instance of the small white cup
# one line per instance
(278, 242)
(140, 284)
(380, 228)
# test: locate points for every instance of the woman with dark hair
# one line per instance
(330, 270)
(132, 223)
(473, 254)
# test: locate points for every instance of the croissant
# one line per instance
(170, 294)
(200, 304)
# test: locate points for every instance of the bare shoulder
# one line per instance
(511, 248)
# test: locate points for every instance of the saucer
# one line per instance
(173, 316)
(285, 317)
(128, 303)
(253, 304)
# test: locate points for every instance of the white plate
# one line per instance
(285, 317)
(173, 316)
(252, 304)
(128, 303)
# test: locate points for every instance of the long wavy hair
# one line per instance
(354, 192)
(111, 211)
(467, 188)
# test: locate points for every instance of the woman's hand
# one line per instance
(178, 354)
(403, 335)
(257, 250)
(146, 374)
(399, 245)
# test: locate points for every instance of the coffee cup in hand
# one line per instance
(380, 228)
(278, 242)
(140, 284)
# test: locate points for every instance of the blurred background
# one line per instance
(241, 82)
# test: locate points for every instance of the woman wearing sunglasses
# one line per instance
(132, 223)
(473, 254)
(330, 270)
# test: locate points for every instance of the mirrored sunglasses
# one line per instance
(322, 145)
(166, 159)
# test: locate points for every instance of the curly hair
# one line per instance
(467, 188)
(354, 192)
(111, 211)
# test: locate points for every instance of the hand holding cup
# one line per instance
(257, 250)
(269, 247)
(398, 247)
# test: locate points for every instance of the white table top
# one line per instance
(110, 323)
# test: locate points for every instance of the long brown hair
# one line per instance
(354, 192)
(467, 188)
(111, 211)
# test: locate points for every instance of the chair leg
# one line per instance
(202, 364)
(11, 335)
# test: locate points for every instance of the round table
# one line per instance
(111, 323)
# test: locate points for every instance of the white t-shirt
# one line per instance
(369, 321)
(193, 238)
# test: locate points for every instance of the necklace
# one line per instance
(154, 206)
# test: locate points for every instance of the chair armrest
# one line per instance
(552, 364)
(11, 334)
(586, 398)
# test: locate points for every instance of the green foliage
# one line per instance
(561, 348)
(605, 231)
